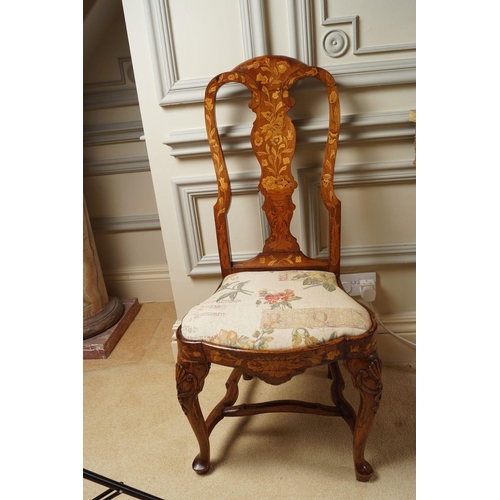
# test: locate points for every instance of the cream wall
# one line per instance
(178, 45)
(117, 180)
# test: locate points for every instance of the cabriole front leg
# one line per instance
(366, 375)
(190, 378)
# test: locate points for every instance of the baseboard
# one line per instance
(405, 322)
(392, 350)
(147, 283)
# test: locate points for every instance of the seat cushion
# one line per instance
(276, 310)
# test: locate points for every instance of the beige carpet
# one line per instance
(135, 431)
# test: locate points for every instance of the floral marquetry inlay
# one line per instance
(273, 138)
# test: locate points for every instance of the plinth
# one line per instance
(101, 345)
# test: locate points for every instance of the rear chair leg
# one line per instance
(227, 401)
(338, 397)
(190, 378)
(366, 375)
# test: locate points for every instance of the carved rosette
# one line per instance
(335, 43)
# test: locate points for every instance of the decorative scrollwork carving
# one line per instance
(370, 382)
(189, 382)
(186, 385)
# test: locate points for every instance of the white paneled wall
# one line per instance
(117, 180)
(177, 46)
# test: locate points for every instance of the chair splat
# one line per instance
(273, 139)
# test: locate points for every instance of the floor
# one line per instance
(135, 431)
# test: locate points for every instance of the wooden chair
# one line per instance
(280, 313)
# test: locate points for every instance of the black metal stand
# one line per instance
(115, 488)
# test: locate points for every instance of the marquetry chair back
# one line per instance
(273, 139)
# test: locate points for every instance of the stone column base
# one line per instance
(101, 345)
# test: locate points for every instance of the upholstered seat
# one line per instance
(276, 310)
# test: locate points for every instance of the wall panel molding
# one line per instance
(361, 174)
(99, 94)
(354, 21)
(171, 89)
(110, 99)
(365, 74)
(200, 263)
(253, 28)
(354, 128)
(148, 222)
(375, 73)
(376, 255)
(187, 190)
(124, 68)
(112, 133)
(355, 256)
(109, 166)
(300, 31)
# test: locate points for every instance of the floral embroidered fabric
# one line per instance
(276, 310)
